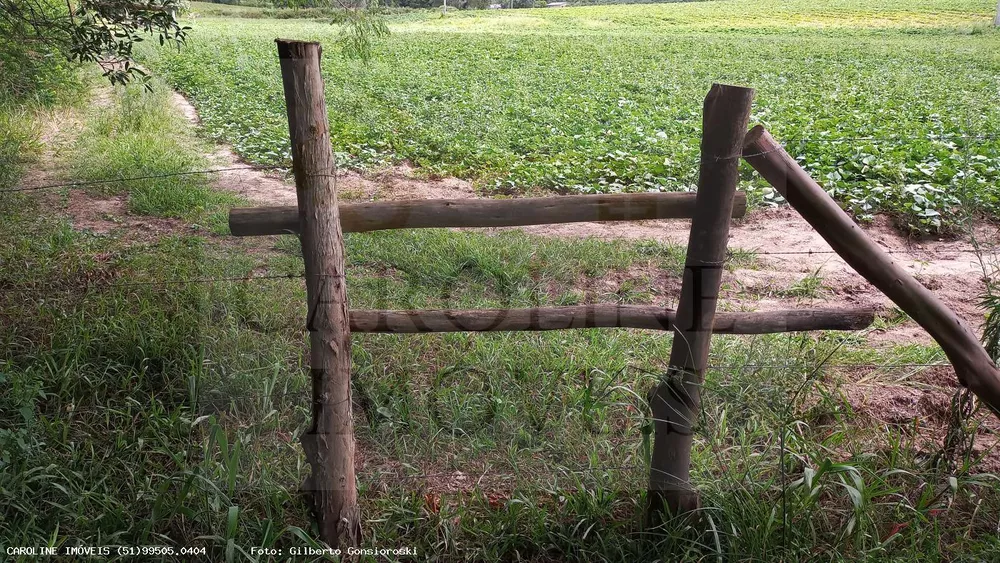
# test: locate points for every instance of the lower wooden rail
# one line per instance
(439, 213)
(602, 316)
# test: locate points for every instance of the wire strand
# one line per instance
(137, 178)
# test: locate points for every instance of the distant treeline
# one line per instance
(601, 2)
(459, 4)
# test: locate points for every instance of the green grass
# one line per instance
(197, 10)
(808, 287)
(138, 410)
(608, 98)
(137, 133)
(135, 410)
(213, 9)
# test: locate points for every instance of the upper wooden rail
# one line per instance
(437, 213)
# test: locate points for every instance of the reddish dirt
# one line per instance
(103, 215)
(788, 250)
(398, 182)
(948, 267)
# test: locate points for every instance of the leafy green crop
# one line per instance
(891, 104)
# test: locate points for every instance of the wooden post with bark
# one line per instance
(676, 400)
(602, 315)
(329, 442)
(439, 213)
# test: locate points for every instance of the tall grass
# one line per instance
(30, 82)
(135, 133)
(136, 410)
(18, 140)
(169, 414)
(33, 77)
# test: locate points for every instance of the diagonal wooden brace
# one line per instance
(973, 366)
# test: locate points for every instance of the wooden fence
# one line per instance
(320, 222)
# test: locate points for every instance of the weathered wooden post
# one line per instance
(676, 400)
(329, 443)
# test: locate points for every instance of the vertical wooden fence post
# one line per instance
(329, 443)
(676, 400)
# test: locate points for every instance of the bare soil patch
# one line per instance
(270, 188)
(787, 247)
(926, 413)
(788, 251)
(106, 214)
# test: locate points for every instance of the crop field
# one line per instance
(892, 104)
(154, 378)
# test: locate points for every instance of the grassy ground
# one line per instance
(137, 408)
(29, 84)
(196, 10)
(134, 135)
(608, 98)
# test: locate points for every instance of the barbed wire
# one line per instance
(735, 368)
(250, 277)
(162, 284)
(885, 250)
(895, 139)
(138, 178)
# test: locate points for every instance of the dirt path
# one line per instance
(400, 182)
(87, 210)
(795, 267)
(788, 249)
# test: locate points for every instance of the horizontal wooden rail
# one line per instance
(602, 316)
(437, 213)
